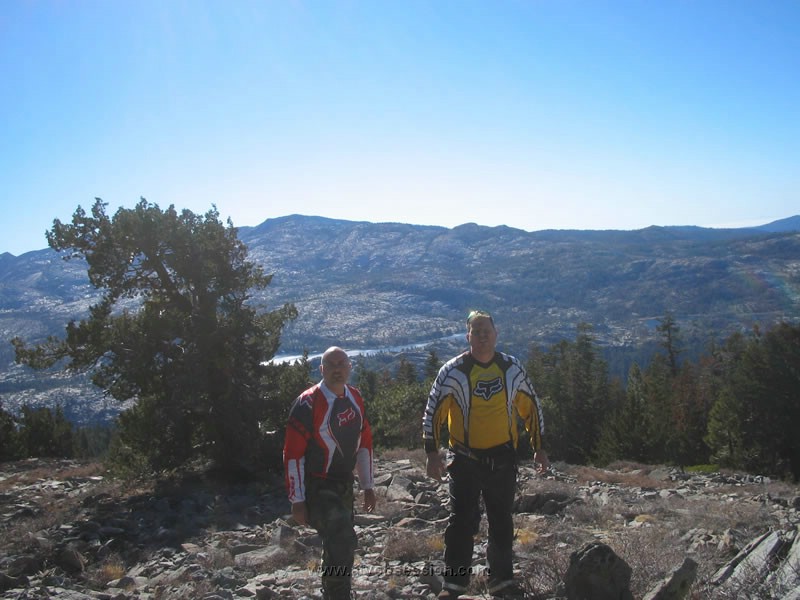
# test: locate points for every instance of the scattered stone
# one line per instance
(237, 541)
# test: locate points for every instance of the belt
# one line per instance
(487, 457)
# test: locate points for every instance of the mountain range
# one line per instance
(374, 286)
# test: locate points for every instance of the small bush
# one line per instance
(408, 547)
(109, 570)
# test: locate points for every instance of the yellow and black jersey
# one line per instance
(480, 404)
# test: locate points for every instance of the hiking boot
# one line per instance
(448, 595)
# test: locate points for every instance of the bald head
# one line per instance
(333, 353)
(335, 369)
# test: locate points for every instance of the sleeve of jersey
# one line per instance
(432, 417)
(530, 410)
(364, 463)
(298, 432)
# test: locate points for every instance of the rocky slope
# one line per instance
(69, 531)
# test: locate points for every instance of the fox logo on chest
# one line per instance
(487, 389)
(346, 416)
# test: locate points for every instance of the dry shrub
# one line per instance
(437, 543)
(389, 508)
(525, 536)
(592, 515)
(748, 517)
(110, 569)
(548, 560)
(408, 546)
(632, 477)
(293, 555)
(192, 589)
(652, 551)
(782, 489)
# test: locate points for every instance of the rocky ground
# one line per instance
(69, 531)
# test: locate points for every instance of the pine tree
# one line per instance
(10, 448)
(175, 329)
(572, 381)
(45, 433)
(625, 435)
(671, 340)
(432, 366)
(406, 373)
(752, 424)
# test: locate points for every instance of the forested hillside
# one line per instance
(587, 310)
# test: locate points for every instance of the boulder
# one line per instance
(595, 572)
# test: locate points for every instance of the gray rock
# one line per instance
(792, 595)
(752, 563)
(71, 560)
(787, 575)
(8, 582)
(549, 503)
(677, 585)
(596, 572)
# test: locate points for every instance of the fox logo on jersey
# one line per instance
(487, 389)
(346, 416)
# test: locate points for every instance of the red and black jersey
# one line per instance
(327, 436)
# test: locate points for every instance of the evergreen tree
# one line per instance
(432, 366)
(10, 448)
(625, 435)
(726, 430)
(44, 433)
(406, 373)
(572, 380)
(657, 411)
(752, 423)
(396, 415)
(282, 383)
(689, 417)
(768, 380)
(175, 329)
(670, 340)
(724, 434)
(92, 441)
(366, 380)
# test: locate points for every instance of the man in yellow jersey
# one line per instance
(480, 395)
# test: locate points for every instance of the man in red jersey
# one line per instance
(328, 438)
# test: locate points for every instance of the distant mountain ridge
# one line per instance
(375, 285)
(787, 224)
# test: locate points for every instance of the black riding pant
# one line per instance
(470, 479)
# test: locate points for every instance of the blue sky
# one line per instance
(536, 114)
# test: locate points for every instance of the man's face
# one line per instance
(335, 369)
(482, 336)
